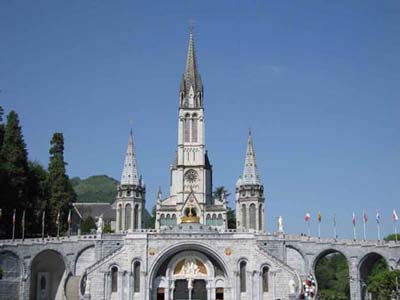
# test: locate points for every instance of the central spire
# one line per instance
(191, 88)
(250, 171)
(130, 173)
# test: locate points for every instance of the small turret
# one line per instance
(250, 193)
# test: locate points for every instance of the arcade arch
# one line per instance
(10, 277)
(47, 270)
(370, 264)
(192, 271)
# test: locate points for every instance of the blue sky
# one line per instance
(317, 81)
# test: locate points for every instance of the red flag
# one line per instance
(13, 219)
(354, 219)
(395, 216)
(365, 217)
(69, 217)
(307, 217)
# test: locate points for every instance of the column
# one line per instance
(132, 216)
(123, 218)
(140, 217)
(257, 217)
(118, 217)
(247, 216)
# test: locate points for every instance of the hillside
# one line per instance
(99, 188)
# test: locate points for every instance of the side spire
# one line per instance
(129, 172)
(250, 171)
(191, 88)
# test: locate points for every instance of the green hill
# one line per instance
(99, 188)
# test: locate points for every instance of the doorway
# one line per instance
(160, 294)
(219, 294)
(199, 291)
(181, 291)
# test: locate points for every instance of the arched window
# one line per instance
(136, 277)
(220, 221)
(136, 217)
(214, 219)
(168, 220)
(242, 276)
(186, 125)
(128, 217)
(173, 219)
(194, 130)
(120, 217)
(208, 220)
(162, 220)
(260, 218)
(244, 216)
(114, 279)
(252, 216)
(265, 275)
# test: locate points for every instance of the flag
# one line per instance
(319, 217)
(13, 219)
(58, 218)
(69, 217)
(23, 220)
(307, 217)
(378, 216)
(365, 217)
(354, 219)
(395, 216)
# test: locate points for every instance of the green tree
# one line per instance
(231, 215)
(383, 285)
(87, 225)
(1, 127)
(62, 194)
(392, 237)
(39, 195)
(14, 175)
(150, 219)
(219, 193)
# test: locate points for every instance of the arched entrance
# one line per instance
(331, 270)
(10, 275)
(47, 270)
(182, 274)
(370, 264)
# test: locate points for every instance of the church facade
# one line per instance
(191, 253)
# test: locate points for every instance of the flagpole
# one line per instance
(13, 229)
(334, 227)
(395, 231)
(319, 230)
(23, 225)
(354, 232)
(43, 216)
(69, 223)
(379, 232)
(308, 228)
(58, 225)
(365, 233)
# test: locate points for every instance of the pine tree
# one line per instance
(1, 127)
(14, 170)
(62, 194)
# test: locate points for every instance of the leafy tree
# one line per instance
(87, 225)
(99, 188)
(332, 274)
(231, 215)
(383, 285)
(150, 219)
(62, 194)
(1, 127)
(392, 237)
(39, 194)
(219, 193)
(14, 175)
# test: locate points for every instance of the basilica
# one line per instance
(191, 254)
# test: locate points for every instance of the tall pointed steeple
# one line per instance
(130, 173)
(191, 88)
(250, 171)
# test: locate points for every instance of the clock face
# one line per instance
(191, 176)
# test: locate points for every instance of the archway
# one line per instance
(370, 265)
(188, 270)
(10, 276)
(47, 270)
(331, 269)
